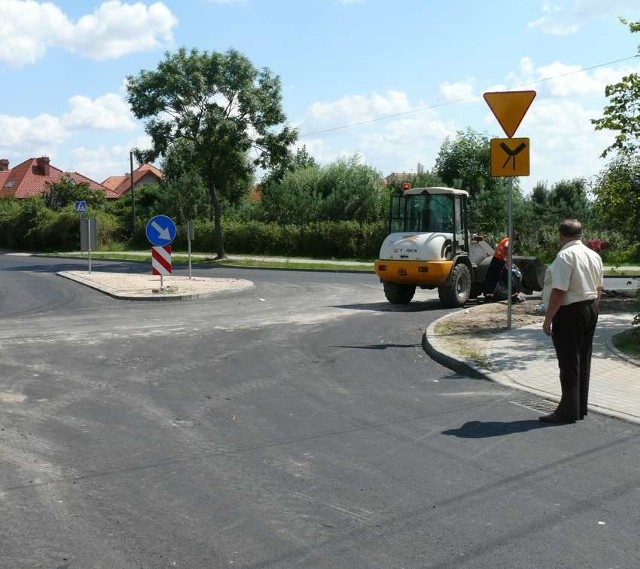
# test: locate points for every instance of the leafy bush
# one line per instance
(325, 239)
(30, 225)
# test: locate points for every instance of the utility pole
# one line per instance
(133, 197)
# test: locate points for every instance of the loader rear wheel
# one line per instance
(399, 293)
(457, 292)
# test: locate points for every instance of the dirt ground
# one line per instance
(467, 331)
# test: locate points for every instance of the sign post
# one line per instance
(191, 234)
(161, 231)
(509, 156)
(88, 236)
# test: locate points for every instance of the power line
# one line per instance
(456, 101)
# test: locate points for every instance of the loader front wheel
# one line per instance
(399, 293)
(458, 290)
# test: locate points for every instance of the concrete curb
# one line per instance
(115, 294)
(446, 358)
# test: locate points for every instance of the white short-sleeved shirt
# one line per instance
(577, 270)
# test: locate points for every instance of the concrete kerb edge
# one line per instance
(446, 358)
(113, 294)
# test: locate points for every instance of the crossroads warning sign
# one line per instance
(509, 157)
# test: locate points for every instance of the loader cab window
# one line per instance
(424, 213)
(397, 214)
(430, 214)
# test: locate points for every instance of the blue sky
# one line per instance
(387, 80)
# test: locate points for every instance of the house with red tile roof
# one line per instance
(143, 175)
(31, 178)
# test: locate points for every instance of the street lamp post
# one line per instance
(133, 197)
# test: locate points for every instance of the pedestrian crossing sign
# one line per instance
(81, 206)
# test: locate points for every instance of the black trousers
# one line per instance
(496, 266)
(573, 327)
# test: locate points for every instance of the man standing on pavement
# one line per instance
(572, 287)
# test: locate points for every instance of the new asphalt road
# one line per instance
(295, 423)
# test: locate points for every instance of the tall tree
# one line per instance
(183, 186)
(622, 114)
(568, 199)
(342, 191)
(617, 191)
(66, 190)
(224, 107)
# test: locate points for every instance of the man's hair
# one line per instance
(571, 228)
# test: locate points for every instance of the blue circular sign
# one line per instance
(161, 230)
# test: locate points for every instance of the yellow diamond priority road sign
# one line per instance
(509, 107)
(509, 157)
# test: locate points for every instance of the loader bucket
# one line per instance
(532, 271)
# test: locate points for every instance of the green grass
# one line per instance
(292, 264)
(628, 342)
(257, 262)
(618, 271)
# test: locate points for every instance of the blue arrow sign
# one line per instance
(161, 230)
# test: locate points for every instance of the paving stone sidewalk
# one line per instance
(524, 358)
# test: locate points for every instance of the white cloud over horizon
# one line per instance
(391, 122)
(115, 28)
(566, 17)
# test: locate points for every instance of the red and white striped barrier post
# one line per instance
(161, 261)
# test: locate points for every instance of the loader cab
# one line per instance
(431, 210)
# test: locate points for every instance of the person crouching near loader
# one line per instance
(496, 267)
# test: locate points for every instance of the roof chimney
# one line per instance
(4, 165)
(43, 165)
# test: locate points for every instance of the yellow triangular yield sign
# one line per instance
(509, 107)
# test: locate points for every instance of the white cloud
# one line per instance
(461, 91)
(410, 132)
(23, 132)
(28, 28)
(116, 29)
(564, 80)
(353, 109)
(107, 112)
(565, 17)
(395, 133)
(100, 162)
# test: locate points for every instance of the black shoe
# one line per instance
(554, 418)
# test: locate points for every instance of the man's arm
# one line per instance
(556, 298)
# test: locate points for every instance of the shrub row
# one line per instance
(30, 226)
(325, 240)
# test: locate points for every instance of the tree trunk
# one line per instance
(217, 223)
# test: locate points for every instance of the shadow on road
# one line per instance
(380, 346)
(423, 306)
(486, 429)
